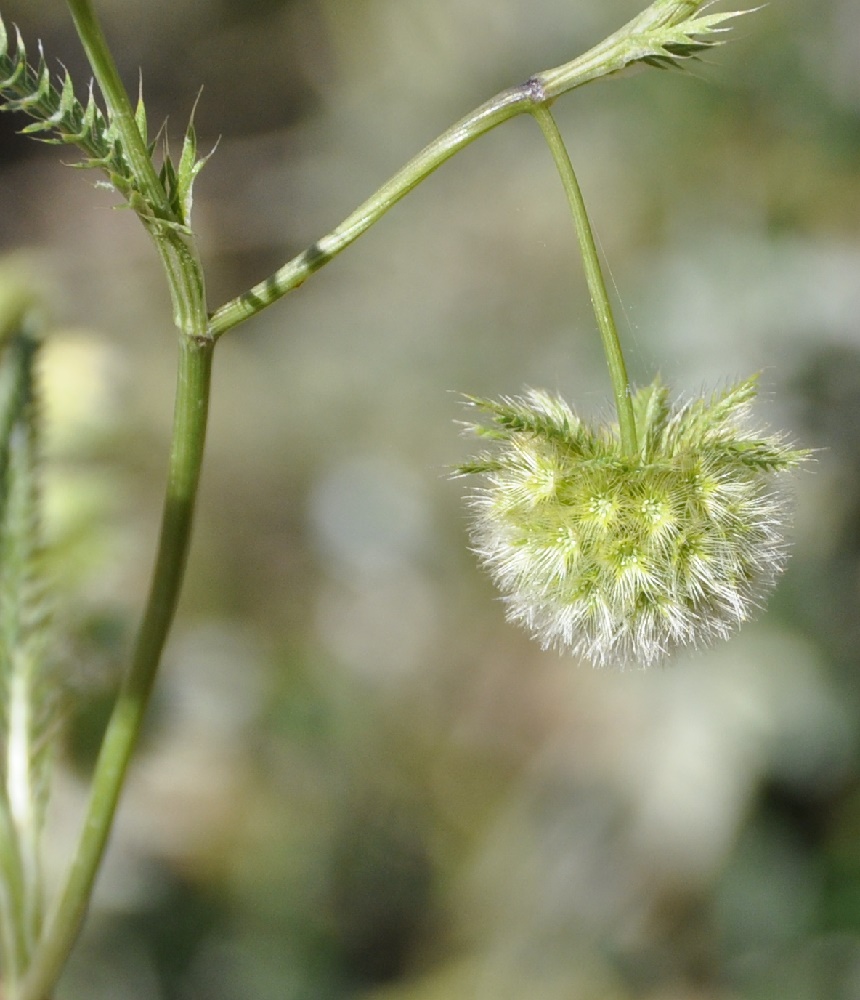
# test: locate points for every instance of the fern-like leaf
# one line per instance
(29, 699)
(58, 116)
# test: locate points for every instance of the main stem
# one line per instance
(193, 383)
(189, 433)
(594, 276)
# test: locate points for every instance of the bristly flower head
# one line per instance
(622, 559)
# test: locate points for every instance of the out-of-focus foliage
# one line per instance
(358, 781)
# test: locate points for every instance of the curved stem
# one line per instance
(189, 433)
(594, 276)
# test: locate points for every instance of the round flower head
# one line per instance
(623, 558)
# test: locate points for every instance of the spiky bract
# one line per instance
(59, 117)
(623, 558)
(667, 33)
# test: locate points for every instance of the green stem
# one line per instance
(189, 433)
(594, 276)
(664, 23)
(120, 111)
(178, 252)
(295, 272)
(184, 274)
(185, 280)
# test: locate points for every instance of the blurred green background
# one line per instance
(358, 781)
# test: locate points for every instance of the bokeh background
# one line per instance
(358, 781)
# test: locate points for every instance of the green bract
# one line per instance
(60, 118)
(623, 558)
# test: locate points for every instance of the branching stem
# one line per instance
(666, 31)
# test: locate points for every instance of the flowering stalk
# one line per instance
(624, 543)
(594, 276)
